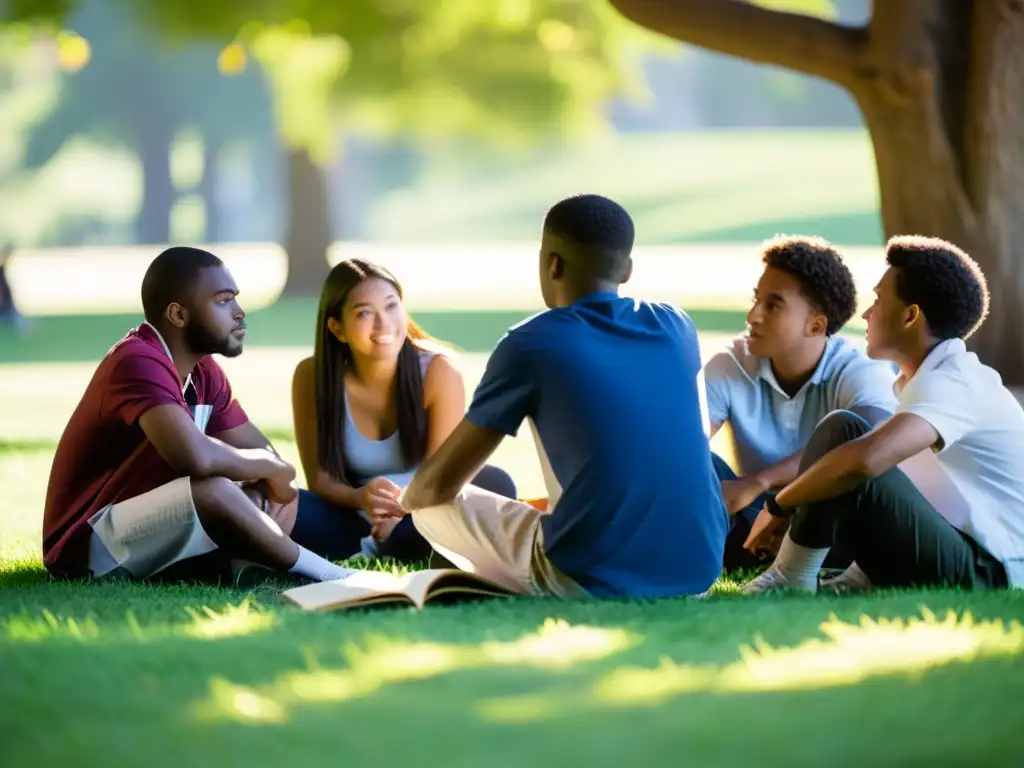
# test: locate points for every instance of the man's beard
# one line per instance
(202, 342)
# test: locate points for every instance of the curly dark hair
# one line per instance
(824, 279)
(946, 283)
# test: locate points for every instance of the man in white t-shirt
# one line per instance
(935, 495)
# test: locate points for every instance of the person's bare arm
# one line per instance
(745, 490)
(444, 397)
(304, 418)
(778, 475)
(456, 462)
(245, 436)
(874, 454)
(187, 450)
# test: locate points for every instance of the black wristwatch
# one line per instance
(775, 510)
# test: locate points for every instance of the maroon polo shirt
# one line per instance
(104, 458)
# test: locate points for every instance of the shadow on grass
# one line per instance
(516, 682)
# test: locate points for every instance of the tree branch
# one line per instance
(794, 41)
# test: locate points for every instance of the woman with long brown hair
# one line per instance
(377, 397)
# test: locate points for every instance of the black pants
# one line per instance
(735, 556)
(886, 525)
(335, 532)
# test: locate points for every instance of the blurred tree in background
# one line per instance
(512, 72)
(123, 88)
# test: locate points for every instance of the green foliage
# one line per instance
(133, 79)
(509, 71)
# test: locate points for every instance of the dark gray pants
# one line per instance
(735, 557)
(886, 525)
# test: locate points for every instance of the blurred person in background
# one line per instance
(9, 313)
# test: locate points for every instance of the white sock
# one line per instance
(315, 567)
(368, 546)
(852, 579)
(795, 567)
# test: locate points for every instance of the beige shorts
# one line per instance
(497, 538)
(146, 534)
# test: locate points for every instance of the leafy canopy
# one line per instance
(509, 71)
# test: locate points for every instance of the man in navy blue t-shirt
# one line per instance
(610, 388)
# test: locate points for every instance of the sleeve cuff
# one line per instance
(233, 416)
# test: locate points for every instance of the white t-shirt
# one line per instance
(976, 478)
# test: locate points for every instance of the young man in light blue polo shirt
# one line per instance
(610, 387)
(775, 384)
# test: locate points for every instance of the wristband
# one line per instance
(774, 509)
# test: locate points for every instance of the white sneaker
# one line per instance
(772, 579)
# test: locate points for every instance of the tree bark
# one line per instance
(309, 229)
(941, 87)
(944, 104)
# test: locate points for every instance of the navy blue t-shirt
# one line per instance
(611, 387)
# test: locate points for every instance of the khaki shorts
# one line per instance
(497, 538)
(146, 534)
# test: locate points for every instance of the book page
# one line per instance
(375, 586)
(423, 585)
(353, 589)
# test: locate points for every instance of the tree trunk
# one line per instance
(208, 191)
(153, 224)
(946, 119)
(309, 230)
(921, 195)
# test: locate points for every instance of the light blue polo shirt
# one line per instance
(768, 425)
(611, 387)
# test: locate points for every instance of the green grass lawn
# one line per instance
(689, 187)
(699, 187)
(126, 674)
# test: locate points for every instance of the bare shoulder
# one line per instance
(442, 375)
(305, 372)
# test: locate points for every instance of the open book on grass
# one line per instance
(439, 585)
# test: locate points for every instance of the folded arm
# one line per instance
(187, 450)
(844, 468)
(783, 473)
(456, 462)
(245, 436)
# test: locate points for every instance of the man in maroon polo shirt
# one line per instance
(159, 463)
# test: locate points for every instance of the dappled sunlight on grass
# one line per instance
(849, 654)
(244, 704)
(205, 624)
(233, 621)
(382, 661)
(559, 644)
(33, 629)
